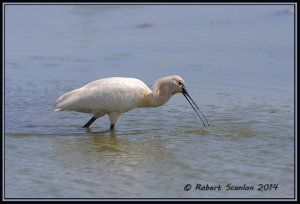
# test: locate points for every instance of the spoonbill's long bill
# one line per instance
(117, 95)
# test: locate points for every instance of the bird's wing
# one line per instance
(105, 95)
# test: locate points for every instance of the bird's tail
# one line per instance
(64, 102)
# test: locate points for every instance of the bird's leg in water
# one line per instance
(112, 127)
(113, 116)
(89, 122)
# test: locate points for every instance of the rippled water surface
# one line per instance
(238, 65)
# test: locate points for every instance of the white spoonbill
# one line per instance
(117, 95)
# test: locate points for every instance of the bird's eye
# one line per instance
(180, 83)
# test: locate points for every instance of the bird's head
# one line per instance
(169, 85)
(173, 85)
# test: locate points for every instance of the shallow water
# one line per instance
(238, 65)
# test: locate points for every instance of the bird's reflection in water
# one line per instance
(103, 141)
(117, 159)
(102, 146)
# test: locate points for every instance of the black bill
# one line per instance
(194, 106)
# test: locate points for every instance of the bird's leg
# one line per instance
(112, 127)
(89, 122)
(113, 117)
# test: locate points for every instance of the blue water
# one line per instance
(237, 63)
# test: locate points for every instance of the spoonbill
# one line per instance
(117, 95)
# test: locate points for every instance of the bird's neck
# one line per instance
(156, 98)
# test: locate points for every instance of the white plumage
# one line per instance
(117, 95)
(110, 94)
